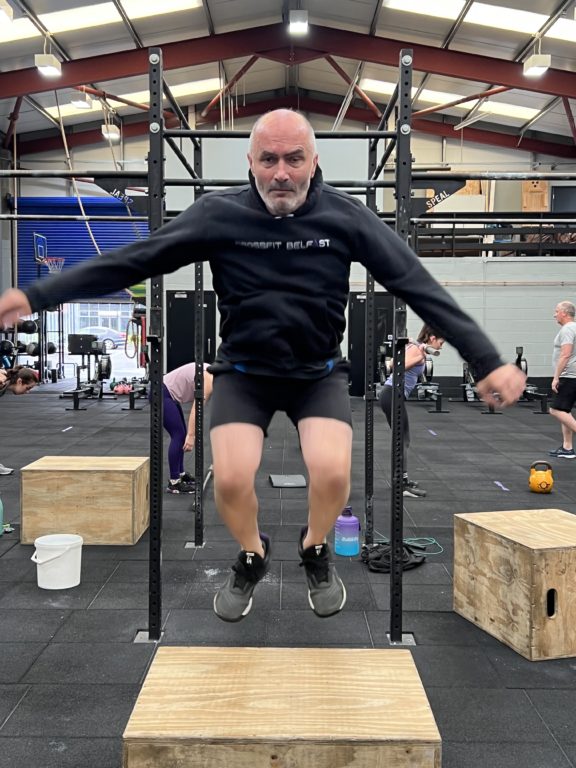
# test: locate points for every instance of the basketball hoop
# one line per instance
(54, 263)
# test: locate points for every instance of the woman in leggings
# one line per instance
(178, 388)
(414, 362)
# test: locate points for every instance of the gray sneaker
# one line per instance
(326, 592)
(5, 470)
(233, 600)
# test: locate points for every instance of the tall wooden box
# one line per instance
(282, 708)
(104, 499)
(515, 577)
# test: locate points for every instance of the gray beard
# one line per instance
(281, 207)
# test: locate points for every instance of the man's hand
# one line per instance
(555, 382)
(13, 306)
(503, 386)
(189, 443)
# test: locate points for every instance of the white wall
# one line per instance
(512, 299)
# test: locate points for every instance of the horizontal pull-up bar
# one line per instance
(433, 232)
(207, 134)
(87, 176)
(489, 176)
(416, 176)
(488, 219)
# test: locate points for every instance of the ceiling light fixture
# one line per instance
(537, 64)
(6, 12)
(81, 101)
(110, 132)
(48, 64)
(298, 22)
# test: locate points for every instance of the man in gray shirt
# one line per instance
(564, 381)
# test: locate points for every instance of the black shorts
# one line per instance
(565, 398)
(248, 399)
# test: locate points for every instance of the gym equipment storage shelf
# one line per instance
(104, 499)
(514, 578)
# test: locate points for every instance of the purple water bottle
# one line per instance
(347, 534)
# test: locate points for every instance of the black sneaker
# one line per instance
(411, 490)
(186, 477)
(233, 600)
(410, 483)
(563, 453)
(326, 592)
(180, 487)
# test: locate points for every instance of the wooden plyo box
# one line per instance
(282, 708)
(104, 499)
(515, 577)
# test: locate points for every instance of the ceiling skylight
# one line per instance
(89, 16)
(486, 15)
(441, 9)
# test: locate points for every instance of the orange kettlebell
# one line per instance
(540, 480)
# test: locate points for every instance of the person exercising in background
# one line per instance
(414, 362)
(178, 389)
(19, 380)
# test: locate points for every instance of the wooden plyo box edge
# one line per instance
(282, 708)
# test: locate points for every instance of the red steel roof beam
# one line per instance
(241, 72)
(115, 66)
(169, 116)
(365, 98)
(463, 100)
(258, 40)
(464, 66)
(495, 139)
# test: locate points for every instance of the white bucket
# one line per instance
(59, 559)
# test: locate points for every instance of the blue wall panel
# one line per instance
(71, 239)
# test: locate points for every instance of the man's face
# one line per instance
(559, 314)
(283, 161)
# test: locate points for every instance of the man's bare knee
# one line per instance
(332, 479)
(229, 485)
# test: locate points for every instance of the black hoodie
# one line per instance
(282, 282)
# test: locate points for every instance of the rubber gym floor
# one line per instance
(71, 672)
